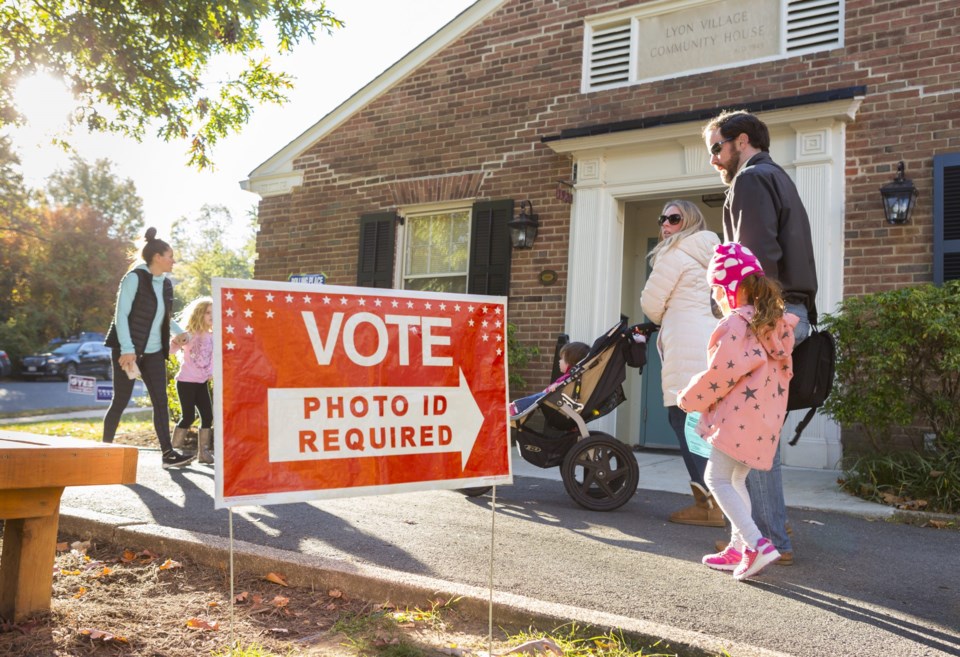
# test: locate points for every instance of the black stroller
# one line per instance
(599, 472)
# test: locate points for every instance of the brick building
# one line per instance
(592, 111)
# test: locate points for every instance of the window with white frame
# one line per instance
(437, 251)
(665, 40)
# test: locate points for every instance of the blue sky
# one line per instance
(377, 34)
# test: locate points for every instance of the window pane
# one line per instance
(456, 284)
(437, 247)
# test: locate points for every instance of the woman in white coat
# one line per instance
(677, 297)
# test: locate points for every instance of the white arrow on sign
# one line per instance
(308, 424)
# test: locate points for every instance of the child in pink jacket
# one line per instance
(742, 397)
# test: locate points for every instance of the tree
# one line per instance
(76, 272)
(15, 226)
(140, 62)
(59, 266)
(202, 249)
(96, 186)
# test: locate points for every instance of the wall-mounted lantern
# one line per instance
(899, 197)
(524, 227)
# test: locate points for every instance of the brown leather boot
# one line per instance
(703, 513)
(179, 439)
(205, 444)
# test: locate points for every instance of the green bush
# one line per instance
(518, 355)
(898, 364)
(898, 375)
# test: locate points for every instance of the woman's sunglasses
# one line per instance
(674, 219)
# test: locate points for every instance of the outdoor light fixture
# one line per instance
(523, 228)
(714, 200)
(899, 197)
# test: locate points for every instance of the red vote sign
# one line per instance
(324, 391)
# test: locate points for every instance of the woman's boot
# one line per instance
(205, 443)
(179, 439)
(704, 512)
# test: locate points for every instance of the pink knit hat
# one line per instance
(731, 263)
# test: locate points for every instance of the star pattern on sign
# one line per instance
(253, 306)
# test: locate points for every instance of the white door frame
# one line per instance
(807, 141)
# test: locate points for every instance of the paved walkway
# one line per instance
(804, 488)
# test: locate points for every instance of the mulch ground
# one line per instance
(123, 600)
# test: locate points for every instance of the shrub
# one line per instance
(898, 374)
(898, 364)
(518, 356)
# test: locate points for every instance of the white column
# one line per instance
(819, 169)
(596, 263)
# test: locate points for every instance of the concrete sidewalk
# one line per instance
(803, 488)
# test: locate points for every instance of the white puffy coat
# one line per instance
(677, 297)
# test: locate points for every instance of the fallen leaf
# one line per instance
(79, 594)
(80, 546)
(939, 524)
(330, 607)
(100, 634)
(936, 473)
(69, 572)
(335, 593)
(213, 603)
(241, 598)
(279, 601)
(199, 624)
(63, 547)
(813, 522)
(170, 564)
(147, 556)
(279, 630)
(276, 579)
(128, 556)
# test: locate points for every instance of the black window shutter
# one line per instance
(490, 248)
(377, 235)
(946, 218)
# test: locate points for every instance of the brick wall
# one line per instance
(469, 122)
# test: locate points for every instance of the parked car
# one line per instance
(87, 358)
(86, 336)
(6, 367)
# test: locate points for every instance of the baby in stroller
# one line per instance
(599, 472)
(570, 354)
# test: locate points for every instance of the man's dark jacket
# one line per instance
(763, 211)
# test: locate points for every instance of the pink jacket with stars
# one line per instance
(742, 395)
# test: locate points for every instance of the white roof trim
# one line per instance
(280, 165)
(844, 110)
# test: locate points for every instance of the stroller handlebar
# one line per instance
(646, 328)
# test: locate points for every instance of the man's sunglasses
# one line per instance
(674, 219)
(715, 148)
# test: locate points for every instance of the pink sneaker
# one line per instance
(756, 560)
(729, 559)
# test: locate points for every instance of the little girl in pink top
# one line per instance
(196, 369)
(742, 397)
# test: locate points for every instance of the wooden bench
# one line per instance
(34, 470)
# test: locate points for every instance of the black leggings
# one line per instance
(153, 371)
(194, 396)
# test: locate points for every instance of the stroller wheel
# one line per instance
(600, 473)
(476, 491)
